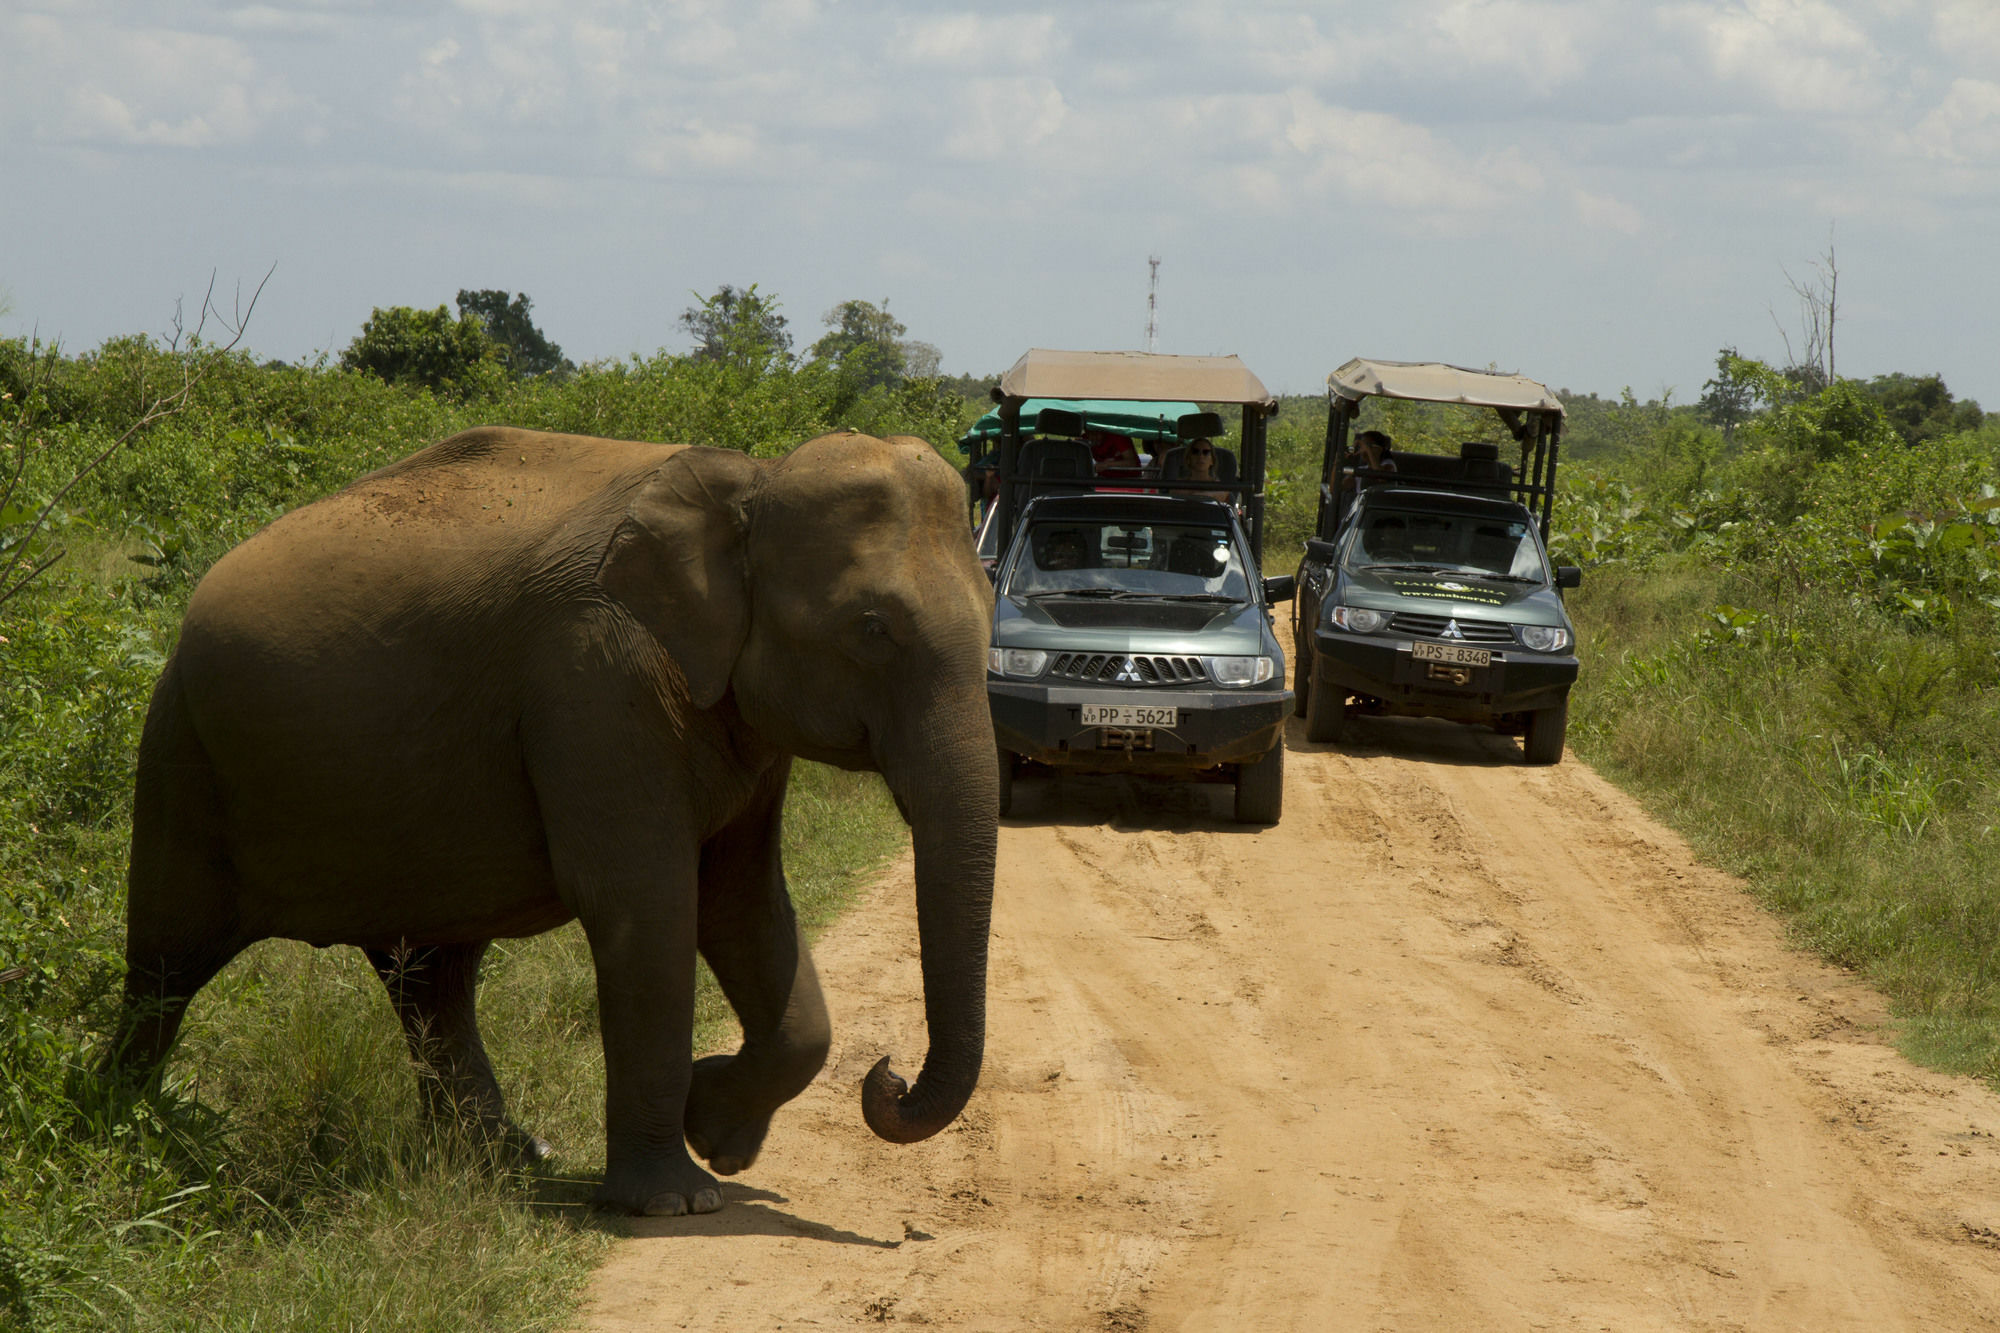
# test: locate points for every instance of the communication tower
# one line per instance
(1153, 304)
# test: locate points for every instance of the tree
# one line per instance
(737, 326)
(521, 347)
(863, 344)
(403, 345)
(1728, 399)
(1921, 408)
(1818, 295)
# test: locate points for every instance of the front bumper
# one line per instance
(1040, 722)
(1381, 668)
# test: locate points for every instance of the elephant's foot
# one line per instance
(725, 1126)
(479, 1113)
(659, 1190)
(528, 1149)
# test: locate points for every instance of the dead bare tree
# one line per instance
(1818, 296)
(21, 561)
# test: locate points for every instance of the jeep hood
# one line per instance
(1129, 625)
(1453, 594)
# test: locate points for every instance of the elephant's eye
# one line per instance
(875, 625)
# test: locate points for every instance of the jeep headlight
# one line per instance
(1358, 620)
(1236, 672)
(1543, 638)
(1016, 661)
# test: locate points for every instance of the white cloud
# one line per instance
(1800, 55)
(1000, 117)
(974, 41)
(1967, 33)
(1366, 155)
(1603, 213)
(86, 82)
(1537, 46)
(1965, 126)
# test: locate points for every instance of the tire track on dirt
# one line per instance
(1458, 1044)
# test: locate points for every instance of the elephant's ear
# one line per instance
(677, 561)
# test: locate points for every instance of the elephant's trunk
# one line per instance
(952, 804)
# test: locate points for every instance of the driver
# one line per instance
(1063, 550)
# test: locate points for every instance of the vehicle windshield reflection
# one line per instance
(1476, 544)
(1089, 558)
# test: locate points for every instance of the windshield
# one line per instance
(1145, 559)
(1458, 543)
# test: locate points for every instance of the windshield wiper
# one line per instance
(1078, 592)
(1420, 569)
(1196, 597)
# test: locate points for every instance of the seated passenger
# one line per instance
(1113, 455)
(1198, 462)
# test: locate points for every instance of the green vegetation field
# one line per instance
(1790, 652)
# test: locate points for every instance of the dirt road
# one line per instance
(1458, 1045)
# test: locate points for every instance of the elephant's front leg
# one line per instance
(645, 1001)
(751, 939)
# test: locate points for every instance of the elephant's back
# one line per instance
(439, 533)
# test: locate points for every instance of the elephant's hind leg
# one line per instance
(751, 939)
(182, 921)
(432, 989)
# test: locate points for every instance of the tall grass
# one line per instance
(1832, 747)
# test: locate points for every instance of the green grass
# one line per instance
(1840, 761)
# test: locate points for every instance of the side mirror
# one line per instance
(1281, 588)
(1569, 576)
(1059, 421)
(1320, 551)
(1199, 426)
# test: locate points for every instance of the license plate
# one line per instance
(1451, 653)
(1129, 715)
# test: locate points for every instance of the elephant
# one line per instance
(517, 679)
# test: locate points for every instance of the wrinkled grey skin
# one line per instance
(518, 679)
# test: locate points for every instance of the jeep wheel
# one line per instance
(1326, 710)
(1543, 743)
(1008, 763)
(1260, 788)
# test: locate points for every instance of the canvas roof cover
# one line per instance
(1429, 381)
(1153, 421)
(1132, 376)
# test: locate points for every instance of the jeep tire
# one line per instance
(1543, 741)
(1260, 788)
(1326, 709)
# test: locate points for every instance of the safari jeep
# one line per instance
(1427, 589)
(1132, 627)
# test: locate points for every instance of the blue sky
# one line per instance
(1597, 194)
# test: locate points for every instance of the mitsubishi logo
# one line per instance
(1128, 672)
(1451, 631)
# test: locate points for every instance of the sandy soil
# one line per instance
(1459, 1045)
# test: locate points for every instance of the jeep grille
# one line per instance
(1121, 668)
(1473, 631)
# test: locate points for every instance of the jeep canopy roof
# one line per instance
(1170, 382)
(1531, 414)
(1434, 382)
(1132, 376)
